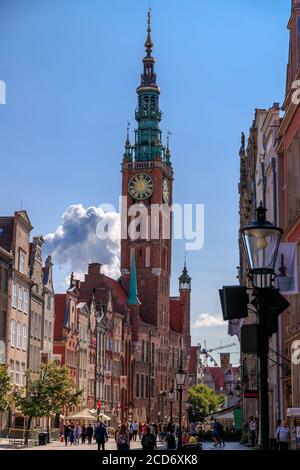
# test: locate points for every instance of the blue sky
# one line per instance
(71, 68)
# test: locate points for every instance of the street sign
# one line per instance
(251, 394)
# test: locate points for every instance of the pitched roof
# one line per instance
(175, 315)
(94, 279)
(218, 376)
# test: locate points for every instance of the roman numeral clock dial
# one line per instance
(140, 186)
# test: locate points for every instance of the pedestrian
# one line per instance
(221, 434)
(215, 432)
(83, 433)
(72, 435)
(89, 433)
(130, 431)
(192, 428)
(67, 431)
(144, 428)
(252, 430)
(77, 434)
(135, 427)
(148, 441)
(122, 439)
(140, 430)
(283, 436)
(101, 435)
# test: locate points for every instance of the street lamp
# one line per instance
(171, 400)
(261, 242)
(230, 393)
(180, 379)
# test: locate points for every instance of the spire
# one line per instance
(148, 144)
(149, 43)
(133, 294)
(148, 78)
(127, 153)
(168, 148)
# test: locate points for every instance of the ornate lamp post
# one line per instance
(171, 400)
(261, 242)
(180, 379)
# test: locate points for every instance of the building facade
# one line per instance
(289, 205)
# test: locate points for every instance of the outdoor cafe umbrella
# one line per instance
(84, 414)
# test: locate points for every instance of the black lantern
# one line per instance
(171, 395)
(261, 241)
(180, 377)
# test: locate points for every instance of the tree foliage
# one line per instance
(48, 392)
(204, 400)
(5, 388)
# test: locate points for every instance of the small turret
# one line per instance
(184, 279)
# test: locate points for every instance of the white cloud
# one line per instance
(75, 242)
(207, 320)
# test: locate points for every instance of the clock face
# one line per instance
(140, 186)
(166, 191)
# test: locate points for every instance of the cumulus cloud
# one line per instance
(207, 320)
(78, 241)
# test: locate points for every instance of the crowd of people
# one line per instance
(148, 434)
(74, 433)
(281, 433)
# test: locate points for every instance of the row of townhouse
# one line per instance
(270, 172)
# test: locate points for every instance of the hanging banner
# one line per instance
(107, 377)
(225, 360)
(123, 382)
(234, 327)
(286, 269)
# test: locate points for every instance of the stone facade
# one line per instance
(288, 150)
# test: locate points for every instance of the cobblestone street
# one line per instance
(111, 445)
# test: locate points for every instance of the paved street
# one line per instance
(111, 445)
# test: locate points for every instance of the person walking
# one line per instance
(135, 427)
(72, 436)
(252, 429)
(149, 441)
(221, 434)
(215, 432)
(67, 431)
(101, 435)
(131, 431)
(140, 430)
(83, 433)
(122, 439)
(283, 436)
(77, 434)
(89, 433)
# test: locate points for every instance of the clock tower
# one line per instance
(147, 178)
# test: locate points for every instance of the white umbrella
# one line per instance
(83, 414)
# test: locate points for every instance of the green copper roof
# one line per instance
(133, 294)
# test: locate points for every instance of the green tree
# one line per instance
(204, 401)
(5, 388)
(47, 393)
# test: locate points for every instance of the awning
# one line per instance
(226, 413)
(293, 412)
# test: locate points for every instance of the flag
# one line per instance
(234, 327)
(286, 269)
(107, 377)
(123, 382)
(99, 405)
